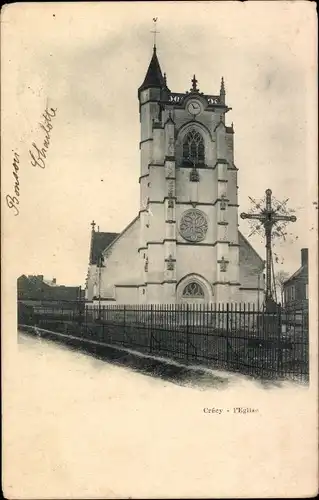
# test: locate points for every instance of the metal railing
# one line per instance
(268, 345)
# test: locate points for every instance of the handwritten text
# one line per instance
(13, 201)
(39, 155)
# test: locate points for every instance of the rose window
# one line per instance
(193, 225)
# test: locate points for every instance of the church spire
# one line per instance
(93, 224)
(154, 76)
(222, 91)
(222, 87)
(194, 84)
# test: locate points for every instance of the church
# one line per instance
(184, 245)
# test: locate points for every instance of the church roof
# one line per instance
(99, 242)
(244, 242)
(154, 77)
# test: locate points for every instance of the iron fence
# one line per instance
(237, 337)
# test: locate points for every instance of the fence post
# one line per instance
(227, 333)
(102, 332)
(305, 341)
(279, 349)
(150, 330)
(187, 329)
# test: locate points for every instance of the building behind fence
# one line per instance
(239, 338)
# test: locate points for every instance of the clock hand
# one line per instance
(195, 107)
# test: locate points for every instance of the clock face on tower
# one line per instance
(194, 107)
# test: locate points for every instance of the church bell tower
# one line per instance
(188, 249)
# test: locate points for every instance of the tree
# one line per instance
(280, 278)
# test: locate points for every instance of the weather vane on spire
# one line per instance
(155, 31)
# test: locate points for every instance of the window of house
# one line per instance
(306, 291)
(193, 148)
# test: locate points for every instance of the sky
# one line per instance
(87, 60)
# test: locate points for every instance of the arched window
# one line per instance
(193, 289)
(193, 148)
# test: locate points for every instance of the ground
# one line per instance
(76, 426)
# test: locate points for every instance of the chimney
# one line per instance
(54, 281)
(304, 256)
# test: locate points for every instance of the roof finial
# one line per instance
(165, 81)
(222, 87)
(93, 224)
(194, 84)
(154, 32)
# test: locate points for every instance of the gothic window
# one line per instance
(193, 149)
(193, 289)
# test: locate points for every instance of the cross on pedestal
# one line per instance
(268, 217)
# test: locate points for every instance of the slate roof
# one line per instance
(99, 242)
(34, 288)
(243, 241)
(154, 77)
(301, 272)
